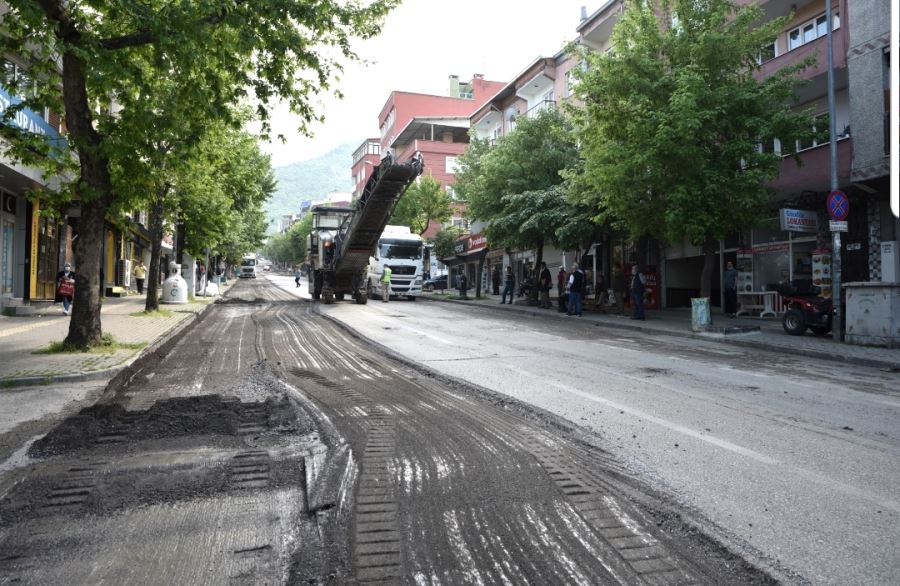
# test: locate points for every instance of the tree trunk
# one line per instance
(709, 262)
(156, 234)
(94, 191)
(535, 273)
(85, 328)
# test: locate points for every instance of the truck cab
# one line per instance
(249, 267)
(403, 251)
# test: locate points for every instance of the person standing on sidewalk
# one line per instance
(546, 283)
(561, 289)
(386, 284)
(638, 286)
(729, 281)
(509, 286)
(140, 273)
(576, 289)
(65, 287)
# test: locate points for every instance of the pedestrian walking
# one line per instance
(638, 286)
(546, 283)
(65, 287)
(509, 285)
(297, 275)
(495, 280)
(729, 281)
(561, 289)
(576, 290)
(386, 284)
(618, 287)
(140, 273)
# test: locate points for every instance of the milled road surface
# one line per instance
(270, 446)
(792, 461)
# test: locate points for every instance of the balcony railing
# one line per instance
(541, 106)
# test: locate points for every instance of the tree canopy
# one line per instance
(517, 187)
(290, 246)
(94, 60)
(673, 118)
(425, 201)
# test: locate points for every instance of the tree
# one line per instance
(425, 201)
(673, 119)
(517, 186)
(444, 241)
(290, 246)
(264, 51)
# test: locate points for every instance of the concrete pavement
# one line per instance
(677, 322)
(22, 337)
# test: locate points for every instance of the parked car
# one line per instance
(436, 283)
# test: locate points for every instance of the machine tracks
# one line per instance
(452, 489)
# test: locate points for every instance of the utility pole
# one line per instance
(836, 329)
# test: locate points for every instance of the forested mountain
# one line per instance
(310, 179)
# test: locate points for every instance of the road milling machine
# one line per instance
(343, 239)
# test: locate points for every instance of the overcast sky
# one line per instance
(422, 43)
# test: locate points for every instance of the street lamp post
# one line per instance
(837, 329)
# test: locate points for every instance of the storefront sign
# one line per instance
(30, 121)
(459, 247)
(475, 242)
(799, 220)
(776, 247)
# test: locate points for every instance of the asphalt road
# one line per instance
(272, 446)
(792, 462)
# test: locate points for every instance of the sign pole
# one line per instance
(836, 327)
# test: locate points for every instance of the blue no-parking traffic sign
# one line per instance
(838, 205)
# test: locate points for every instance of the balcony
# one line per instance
(541, 106)
(815, 172)
(818, 48)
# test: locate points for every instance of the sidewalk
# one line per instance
(20, 337)
(677, 322)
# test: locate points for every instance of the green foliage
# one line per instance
(290, 246)
(221, 194)
(424, 201)
(517, 186)
(312, 179)
(673, 117)
(108, 345)
(444, 241)
(108, 66)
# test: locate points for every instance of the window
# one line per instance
(768, 52)
(811, 30)
(820, 133)
(451, 165)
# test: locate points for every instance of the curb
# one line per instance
(733, 339)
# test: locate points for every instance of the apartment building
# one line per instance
(436, 127)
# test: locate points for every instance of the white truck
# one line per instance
(248, 267)
(403, 251)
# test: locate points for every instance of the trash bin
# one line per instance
(175, 288)
(700, 314)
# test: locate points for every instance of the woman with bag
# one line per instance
(65, 287)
